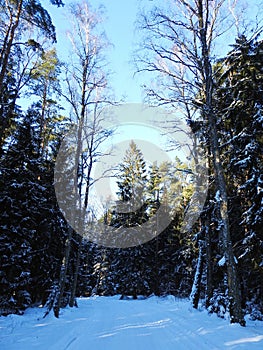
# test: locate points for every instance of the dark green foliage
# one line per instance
(8, 108)
(31, 225)
(131, 191)
(164, 265)
(238, 102)
(57, 2)
(35, 14)
(241, 85)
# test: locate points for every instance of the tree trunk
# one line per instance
(5, 53)
(63, 273)
(209, 267)
(196, 289)
(43, 123)
(4, 59)
(76, 273)
(236, 314)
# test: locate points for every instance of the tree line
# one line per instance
(43, 259)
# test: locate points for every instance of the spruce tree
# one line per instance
(239, 99)
(31, 234)
(131, 212)
(131, 182)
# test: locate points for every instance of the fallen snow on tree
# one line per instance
(222, 261)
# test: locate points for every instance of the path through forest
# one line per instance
(107, 323)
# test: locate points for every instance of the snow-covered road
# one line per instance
(107, 323)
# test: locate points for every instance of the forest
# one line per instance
(44, 260)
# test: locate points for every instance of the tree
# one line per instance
(86, 93)
(131, 211)
(8, 111)
(17, 18)
(182, 44)
(131, 186)
(44, 83)
(18, 12)
(239, 99)
(31, 226)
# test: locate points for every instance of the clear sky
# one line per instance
(121, 32)
(119, 25)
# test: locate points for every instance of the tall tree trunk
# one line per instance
(79, 240)
(4, 59)
(208, 240)
(77, 159)
(43, 123)
(65, 263)
(8, 42)
(236, 314)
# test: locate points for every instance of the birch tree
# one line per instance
(86, 92)
(179, 49)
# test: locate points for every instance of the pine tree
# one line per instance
(44, 84)
(17, 19)
(16, 15)
(8, 109)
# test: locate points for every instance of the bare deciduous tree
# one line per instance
(86, 93)
(179, 50)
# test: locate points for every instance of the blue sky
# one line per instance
(120, 30)
(119, 25)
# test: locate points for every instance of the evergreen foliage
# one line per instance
(240, 97)
(43, 261)
(31, 225)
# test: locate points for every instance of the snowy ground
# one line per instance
(107, 323)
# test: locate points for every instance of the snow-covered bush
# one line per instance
(219, 305)
(254, 310)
